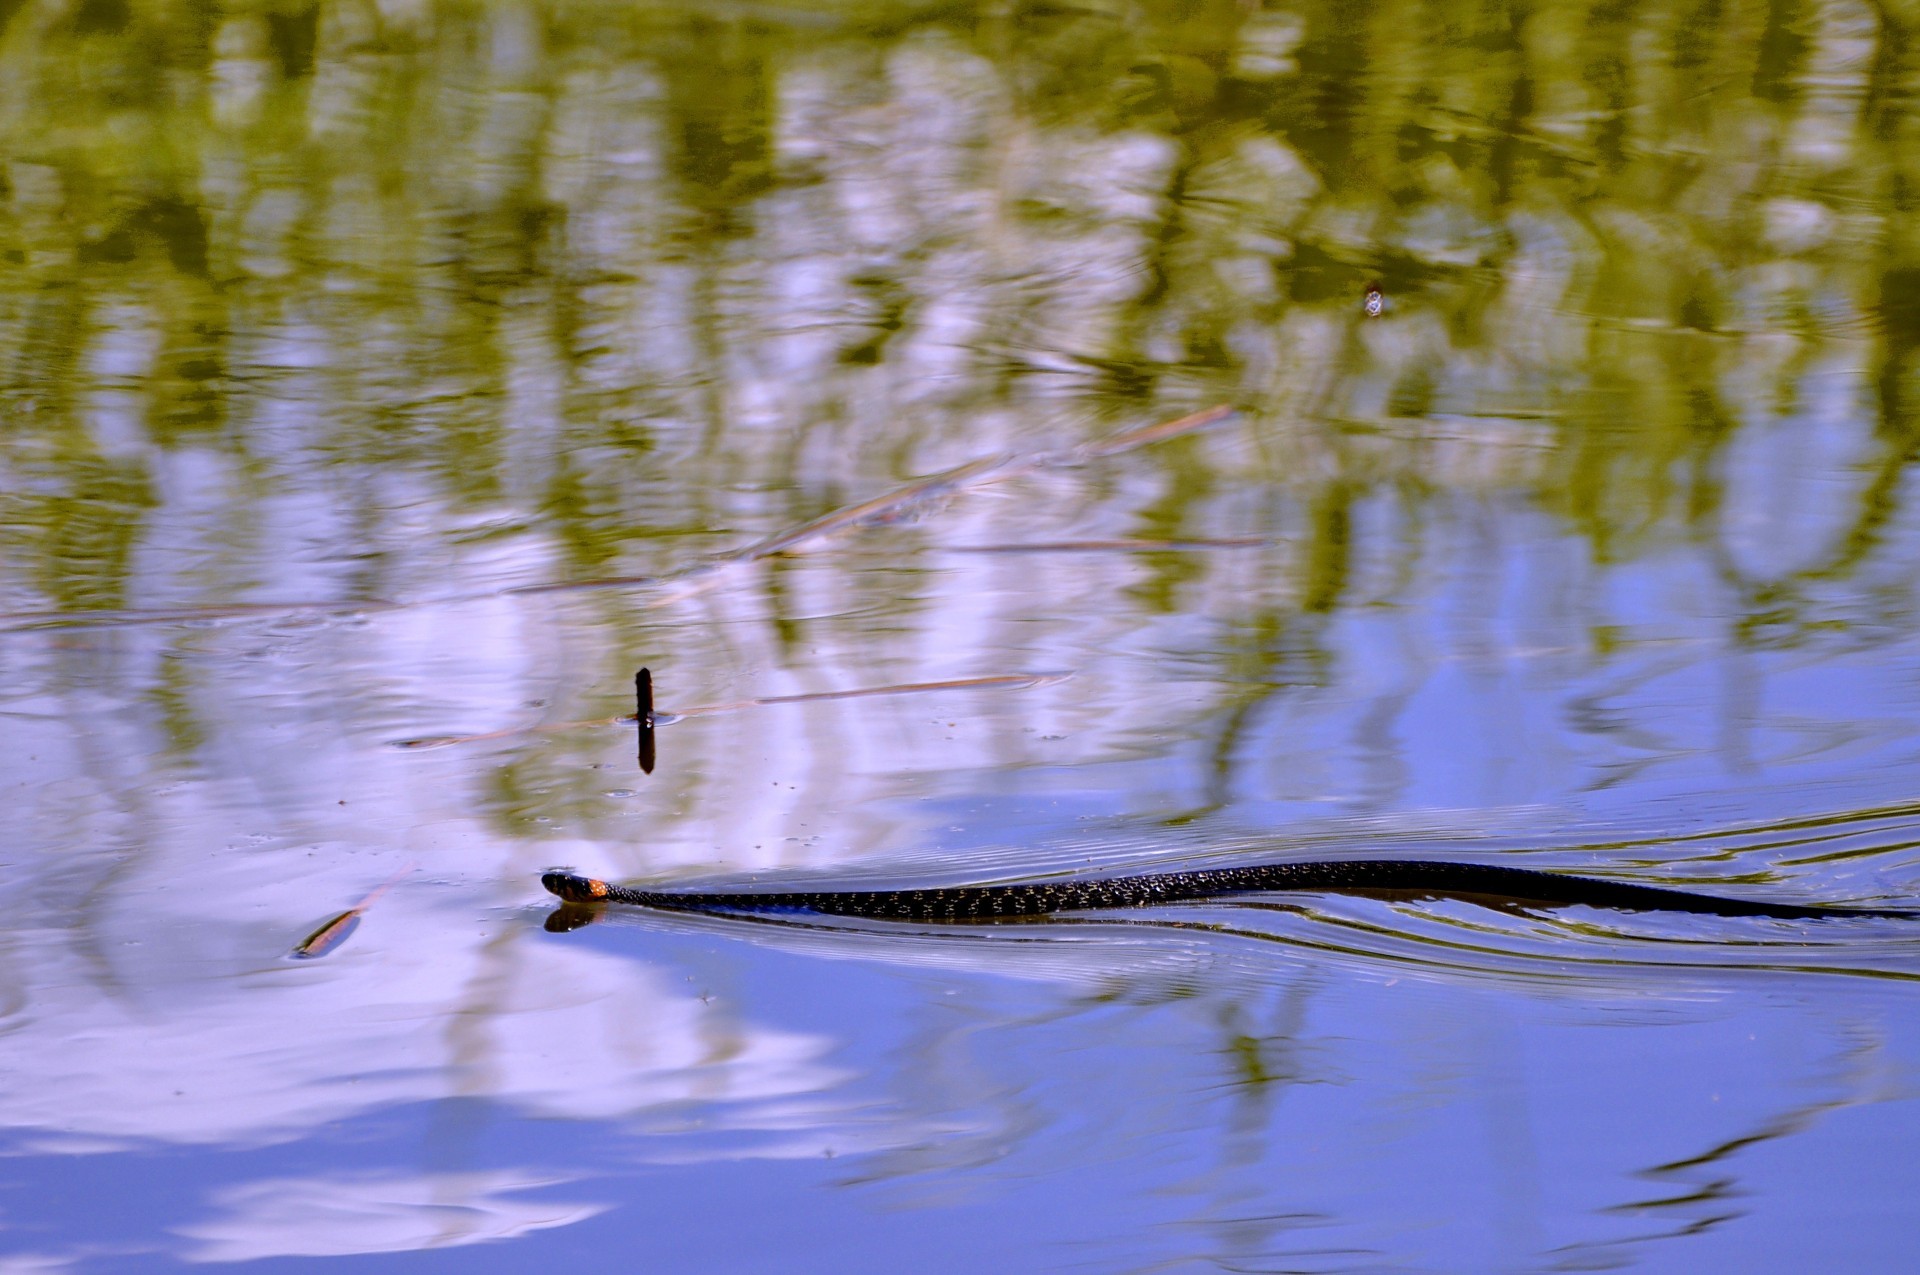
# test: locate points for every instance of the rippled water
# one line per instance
(382, 385)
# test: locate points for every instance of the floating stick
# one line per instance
(1128, 439)
(1122, 545)
(692, 579)
(1011, 681)
(336, 931)
(23, 621)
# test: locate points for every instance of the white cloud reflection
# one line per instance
(337, 1216)
(211, 1038)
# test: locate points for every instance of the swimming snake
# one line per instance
(1004, 902)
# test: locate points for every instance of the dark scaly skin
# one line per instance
(998, 902)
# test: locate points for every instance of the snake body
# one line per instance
(1041, 898)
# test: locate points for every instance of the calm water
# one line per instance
(375, 373)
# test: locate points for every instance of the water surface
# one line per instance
(382, 375)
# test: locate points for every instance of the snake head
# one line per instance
(574, 889)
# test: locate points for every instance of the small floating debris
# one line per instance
(328, 936)
(1376, 302)
(338, 929)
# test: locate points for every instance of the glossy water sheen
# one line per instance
(384, 375)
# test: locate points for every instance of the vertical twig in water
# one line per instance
(643, 716)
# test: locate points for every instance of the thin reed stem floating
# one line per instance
(1001, 681)
(673, 586)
